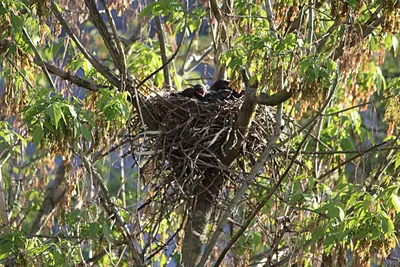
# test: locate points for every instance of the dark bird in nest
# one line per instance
(199, 91)
(221, 91)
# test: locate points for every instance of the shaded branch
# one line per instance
(55, 193)
(274, 100)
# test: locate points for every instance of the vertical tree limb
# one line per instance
(163, 48)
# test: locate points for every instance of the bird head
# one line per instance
(200, 89)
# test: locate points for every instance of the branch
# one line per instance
(163, 48)
(234, 145)
(270, 16)
(66, 75)
(3, 204)
(215, 10)
(350, 160)
(118, 43)
(105, 34)
(274, 100)
(39, 58)
(103, 70)
(194, 63)
(242, 124)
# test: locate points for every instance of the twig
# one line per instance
(166, 63)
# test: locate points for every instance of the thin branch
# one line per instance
(310, 23)
(270, 16)
(3, 203)
(38, 58)
(103, 70)
(105, 34)
(351, 159)
(112, 210)
(66, 75)
(118, 43)
(194, 63)
(166, 63)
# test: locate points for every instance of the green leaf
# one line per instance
(329, 241)
(16, 23)
(396, 203)
(304, 65)
(72, 111)
(55, 113)
(107, 233)
(86, 133)
(335, 212)
(37, 135)
(395, 45)
(387, 225)
(94, 229)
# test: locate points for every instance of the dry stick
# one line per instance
(270, 193)
(111, 209)
(103, 70)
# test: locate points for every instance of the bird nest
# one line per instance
(191, 142)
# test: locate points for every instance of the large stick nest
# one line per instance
(192, 140)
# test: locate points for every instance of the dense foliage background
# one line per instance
(73, 78)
